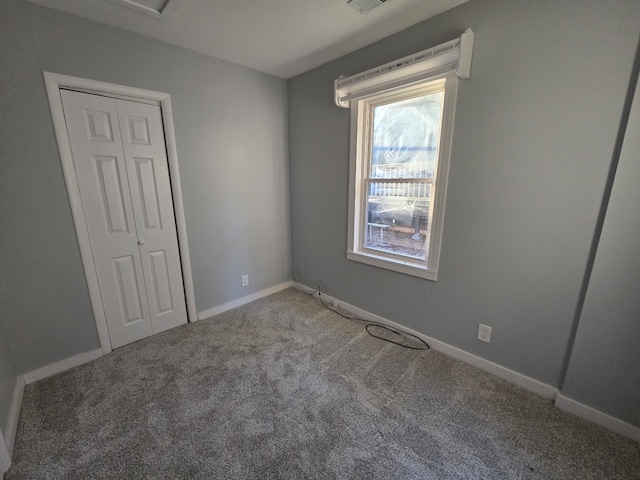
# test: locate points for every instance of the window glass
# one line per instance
(401, 171)
(405, 137)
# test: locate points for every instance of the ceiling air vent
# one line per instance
(365, 6)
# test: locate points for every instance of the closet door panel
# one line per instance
(94, 133)
(148, 171)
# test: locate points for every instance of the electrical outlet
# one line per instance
(335, 303)
(301, 271)
(245, 280)
(484, 333)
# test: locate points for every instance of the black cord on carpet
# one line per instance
(368, 323)
(385, 327)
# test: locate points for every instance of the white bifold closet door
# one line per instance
(121, 164)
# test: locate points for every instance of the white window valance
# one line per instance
(454, 55)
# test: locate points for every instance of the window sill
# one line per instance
(407, 268)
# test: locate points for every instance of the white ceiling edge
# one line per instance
(283, 38)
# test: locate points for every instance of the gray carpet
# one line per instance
(283, 388)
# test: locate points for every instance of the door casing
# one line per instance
(53, 83)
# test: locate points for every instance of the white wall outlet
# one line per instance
(336, 304)
(484, 333)
(245, 280)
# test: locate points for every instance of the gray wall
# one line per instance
(535, 132)
(231, 135)
(604, 370)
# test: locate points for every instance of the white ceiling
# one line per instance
(279, 37)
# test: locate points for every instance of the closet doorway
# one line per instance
(119, 162)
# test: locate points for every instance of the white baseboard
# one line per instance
(61, 366)
(511, 376)
(562, 402)
(14, 414)
(242, 301)
(596, 416)
(5, 459)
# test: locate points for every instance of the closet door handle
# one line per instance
(140, 242)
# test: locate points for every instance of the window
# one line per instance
(401, 133)
(399, 172)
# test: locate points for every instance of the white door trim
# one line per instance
(53, 83)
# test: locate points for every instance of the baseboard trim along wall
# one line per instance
(14, 414)
(5, 459)
(535, 386)
(511, 376)
(596, 416)
(6, 444)
(242, 301)
(61, 366)
(561, 402)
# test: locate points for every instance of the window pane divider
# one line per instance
(400, 180)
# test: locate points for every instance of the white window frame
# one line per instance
(360, 157)
(404, 78)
